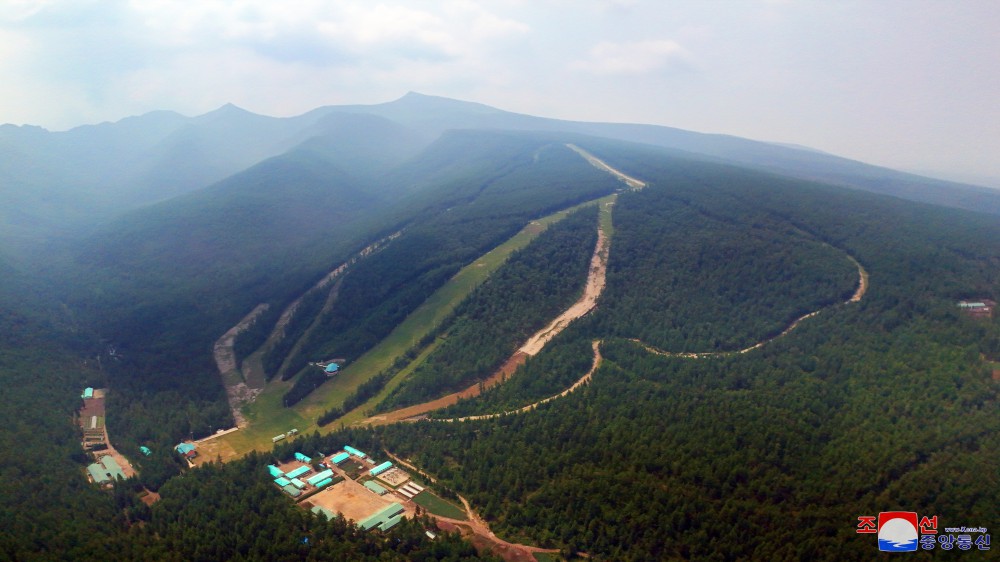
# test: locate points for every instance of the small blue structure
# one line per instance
(282, 481)
(145, 450)
(331, 368)
(87, 393)
(302, 458)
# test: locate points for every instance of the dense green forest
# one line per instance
(885, 404)
(879, 405)
(537, 178)
(534, 286)
(692, 271)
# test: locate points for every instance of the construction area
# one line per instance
(109, 465)
(350, 484)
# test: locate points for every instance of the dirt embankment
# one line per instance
(238, 391)
(582, 381)
(596, 280)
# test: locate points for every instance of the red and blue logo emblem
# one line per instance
(897, 531)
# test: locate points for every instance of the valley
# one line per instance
(585, 340)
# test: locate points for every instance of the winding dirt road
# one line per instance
(859, 293)
(582, 381)
(596, 280)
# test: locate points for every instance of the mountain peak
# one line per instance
(227, 110)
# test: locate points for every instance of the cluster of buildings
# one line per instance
(292, 483)
(980, 309)
(105, 470)
(303, 477)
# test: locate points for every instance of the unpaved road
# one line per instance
(596, 280)
(630, 181)
(582, 381)
(476, 525)
(238, 392)
(856, 297)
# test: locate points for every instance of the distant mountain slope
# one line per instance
(438, 114)
(57, 182)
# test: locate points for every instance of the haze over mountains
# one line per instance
(57, 183)
(744, 282)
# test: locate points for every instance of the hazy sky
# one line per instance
(908, 84)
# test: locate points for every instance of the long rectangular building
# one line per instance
(339, 458)
(375, 487)
(354, 451)
(299, 472)
(319, 476)
(381, 468)
(382, 516)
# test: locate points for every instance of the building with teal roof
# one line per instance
(328, 473)
(354, 451)
(281, 481)
(339, 458)
(274, 471)
(87, 393)
(145, 450)
(331, 368)
(302, 458)
(299, 471)
(376, 487)
(381, 468)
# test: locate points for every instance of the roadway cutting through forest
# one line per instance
(596, 280)
(859, 293)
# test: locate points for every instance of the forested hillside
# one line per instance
(534, 286)
(880, 405)
(525, 178)
(763, 453)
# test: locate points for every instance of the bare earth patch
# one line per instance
(354, 501)
(596, 280)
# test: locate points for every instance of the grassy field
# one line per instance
(438, 506)
(267, 416)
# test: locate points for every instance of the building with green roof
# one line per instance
(98, 473)
(113, 468)
(375, 487)
(382, 516)
(320, 510)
